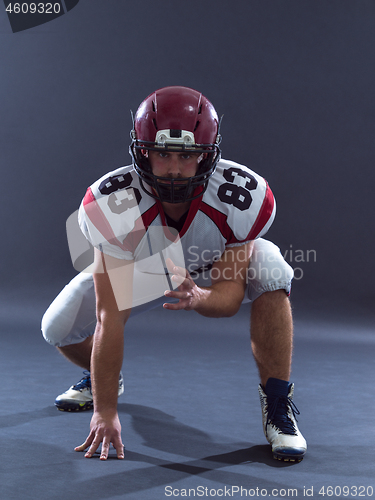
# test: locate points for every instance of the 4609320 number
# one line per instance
(345, 491)
(33, 8)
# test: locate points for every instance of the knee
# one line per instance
(56, 328)
(71, 316)
(50, 331)
(268, 281)
(268, 271)
(273, 271)
(267, 263)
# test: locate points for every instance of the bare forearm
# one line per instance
(220, 300)
(107, 354)
(106, 362)
(224, 297)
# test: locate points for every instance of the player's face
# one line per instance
(174, 164)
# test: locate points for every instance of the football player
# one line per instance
(179, 228)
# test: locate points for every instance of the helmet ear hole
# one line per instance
(144, 163)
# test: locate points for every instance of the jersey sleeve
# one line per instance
(241, 203)
(262, 222)
(265, 217)
(109, 215)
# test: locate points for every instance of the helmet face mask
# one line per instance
(175, 119)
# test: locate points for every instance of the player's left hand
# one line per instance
(188, 293)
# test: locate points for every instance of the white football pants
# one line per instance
(71, 317)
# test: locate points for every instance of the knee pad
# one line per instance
(72, 316)
(268, 271)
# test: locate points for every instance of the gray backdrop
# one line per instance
(294, 80)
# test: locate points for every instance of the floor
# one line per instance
(190, 414)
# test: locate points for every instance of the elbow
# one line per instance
(232, 311)
(237, 297)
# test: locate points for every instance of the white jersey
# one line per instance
(120, 219)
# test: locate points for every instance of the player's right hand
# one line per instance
(187, 293)
(105, 429)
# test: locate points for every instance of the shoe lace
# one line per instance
(277, 414)
(84, 383)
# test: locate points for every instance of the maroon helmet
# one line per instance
(175, 119)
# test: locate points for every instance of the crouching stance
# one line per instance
(180, 228)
